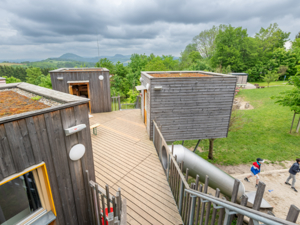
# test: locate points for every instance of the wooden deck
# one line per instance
(125, 157)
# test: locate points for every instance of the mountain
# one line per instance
(117, 57)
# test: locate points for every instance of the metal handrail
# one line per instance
(230, 207)
(238, 209)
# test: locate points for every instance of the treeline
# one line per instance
(19, 72)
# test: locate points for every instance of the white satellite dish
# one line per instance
(101, 77)
(76, 152)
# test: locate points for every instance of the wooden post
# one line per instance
(198, 205)
(107, 198)
(124, 213)
(241, 216)
(90, 196)
(214, 213)
(234, 195)
(221, 214)
(103, 208)
(293, 214)
(293, 122)
(211, 149)
(258, 198)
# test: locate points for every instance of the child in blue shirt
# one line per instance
(255, 170)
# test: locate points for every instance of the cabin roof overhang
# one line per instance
(168, 74)
(79, 70)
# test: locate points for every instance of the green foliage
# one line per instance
(45, 81)
(33, 75)
(205, 41)
(132, 96)
(106, 63)
(290, 98)
(270, 77)
(232, 48)
(156, 64)
(36, 98)
(11, 71)
(11, 80)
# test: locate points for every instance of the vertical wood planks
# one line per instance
(76, 171)
(7, 165)
(60, 157)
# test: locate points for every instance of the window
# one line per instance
(25, 196)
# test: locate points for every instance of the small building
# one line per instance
(187, 105)
(92, 83)
(241, 78)
(2, 80)
(45, 149)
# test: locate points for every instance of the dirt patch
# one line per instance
(278, 194)
(178, 75)
(239, 103)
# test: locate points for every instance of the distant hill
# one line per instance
(118, 57)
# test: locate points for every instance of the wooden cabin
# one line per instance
(187, 105)
(45, 149)
(241, 78)
(92, 83)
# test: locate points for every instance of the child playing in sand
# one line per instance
(293, 171)
(255, 170)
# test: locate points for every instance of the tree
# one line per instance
(45, 81)
(205, 41)
(269, 39)
(34, 75)
(232, 48)
(156, 64)
(270, 77)
(106, 63)
(282, 70)
(291, 98)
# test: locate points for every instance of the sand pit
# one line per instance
(281, 196)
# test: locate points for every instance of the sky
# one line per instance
(39, 29)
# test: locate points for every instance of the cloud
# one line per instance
(50, 28)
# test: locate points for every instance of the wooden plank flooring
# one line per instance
(126, 158)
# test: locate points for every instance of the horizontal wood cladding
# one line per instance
(192, 108)
(99, 89)
(30, 141)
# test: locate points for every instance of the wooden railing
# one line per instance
(101, 200)
(197, 207)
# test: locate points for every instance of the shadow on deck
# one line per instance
(125, 157)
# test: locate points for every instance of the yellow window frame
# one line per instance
(43, 185)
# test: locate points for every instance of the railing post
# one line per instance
(228, 216)
(168, 170)
(181, 193)
(192, 212)
(154, 136)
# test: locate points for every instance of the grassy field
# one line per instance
(265, 133)
(275, 83)
(12, 64)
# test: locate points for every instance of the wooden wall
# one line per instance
(29, 141)
(99, 90)
(146, 81)
(191, 108)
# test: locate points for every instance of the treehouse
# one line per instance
(187, 105)
(92, 83)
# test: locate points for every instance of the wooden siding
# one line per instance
(192, 108)
(99, 90)
(126, 158)
(38, 138)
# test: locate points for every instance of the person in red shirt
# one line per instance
(255, 170)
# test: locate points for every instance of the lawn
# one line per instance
(265, 133)
(275, 83)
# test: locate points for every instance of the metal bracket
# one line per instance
(217, 207)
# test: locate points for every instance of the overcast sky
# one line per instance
(41, 29)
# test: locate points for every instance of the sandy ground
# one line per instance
(278, 194)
